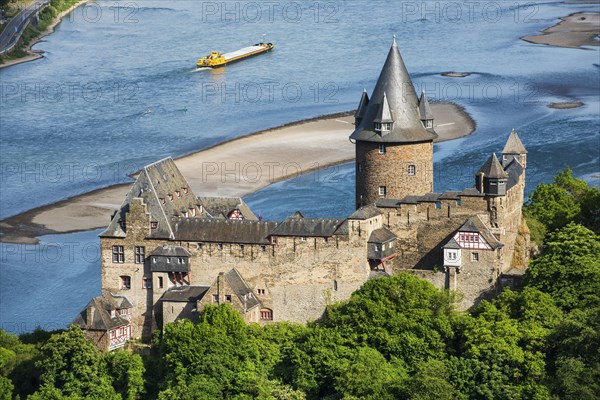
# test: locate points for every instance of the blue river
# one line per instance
(118, 89)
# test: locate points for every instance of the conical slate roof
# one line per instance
(394, 81)
(514, 145)
(493, 169)
(384, 114)
(424, 107)
(362, 106)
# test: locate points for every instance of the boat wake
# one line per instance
(200, 69)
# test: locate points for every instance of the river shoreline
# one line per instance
(275, 154)
(572, 31)
(33, 55)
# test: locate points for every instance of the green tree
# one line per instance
(575, 355)
(553, 206)
(569, 268)
(127, 373)
(71, 364)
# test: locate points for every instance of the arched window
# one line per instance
(266, 314)
(412, 169)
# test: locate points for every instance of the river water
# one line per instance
(117, 89)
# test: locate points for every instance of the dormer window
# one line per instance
(178, 193)
(386, 126)
(194, 213)
(427, 123)
(170, 197)
(378, 126)
(163, 200)
(154, 225)
(186, 190)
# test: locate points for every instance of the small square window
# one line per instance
(241, 247)
(412, 170)
(382, 190)
(263, 248)
(154, 225)
(475, 256)
(303, 238)
(220, 246)
(382, 148)
(215, 298)
(228, 298)
(125, 282)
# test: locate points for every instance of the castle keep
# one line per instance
(168, 252)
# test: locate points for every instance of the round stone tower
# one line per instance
(394, 137)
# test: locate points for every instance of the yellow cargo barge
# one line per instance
(216, 59)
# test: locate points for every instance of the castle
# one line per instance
(168, 252)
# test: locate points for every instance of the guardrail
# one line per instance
(14, 29)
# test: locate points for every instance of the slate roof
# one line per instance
(221, 207)
(382, 235)
(310, 227)
(101, 319)
(241, 289)
(156, 184)
(424, 107)
(452, 244)
(476, 225)
(492, 168)
(471, 192)
(514, 169)
(387, 202)
(395, 82)
(514, 145)
(170, 251)
(185, 294)
(384, 114)
(365, 212)
(362, 106)
(222, 231)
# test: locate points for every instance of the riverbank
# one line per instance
(32, 55)
(573, 31)
(234, 168)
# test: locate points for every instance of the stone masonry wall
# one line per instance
(391, 170)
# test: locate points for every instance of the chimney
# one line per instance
(89, 315)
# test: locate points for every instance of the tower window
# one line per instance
(475, 256)
(412, 169)
(382, 190)
(160, 282)
(382, 148)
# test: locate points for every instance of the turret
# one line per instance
(383, 122)
(394, 150)
(514, 149)
(491, 178)
(362, 106)
(425, 111)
